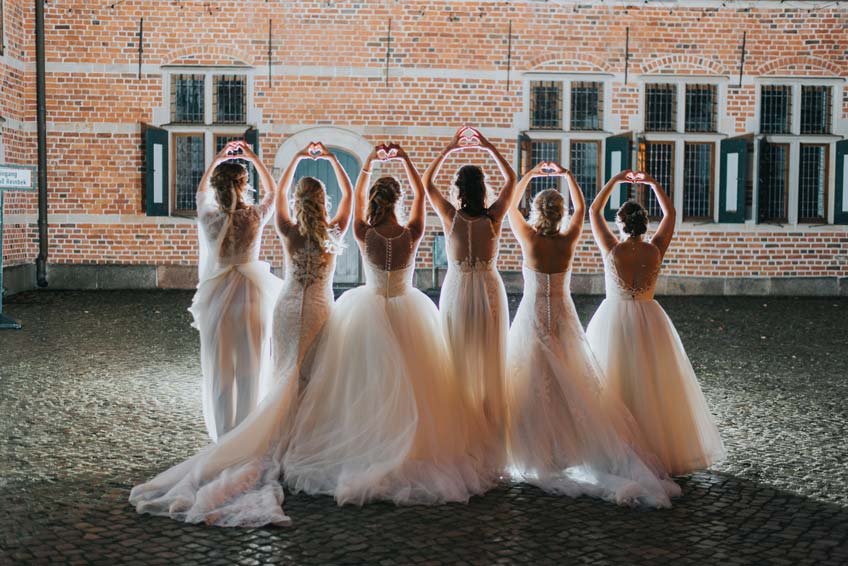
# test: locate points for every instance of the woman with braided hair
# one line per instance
(563, 435)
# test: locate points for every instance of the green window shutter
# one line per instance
(251, 137)
(840, 209)
(733, 171)
(156, 186)
(617, 157)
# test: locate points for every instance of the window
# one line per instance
(700, 108)
(229, 99)
(812, 183)
(658, 160)
(774, 177)
(546, 105)
(543, 151)
(187, 94)
(189, 165)
(775, 109)
(660, 107)
(587, 104)
(815, 109)
(697, 180)
(586, 166)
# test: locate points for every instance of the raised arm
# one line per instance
(499, 208)
(665, 231)
(341, 220)
(284, 220)
(517, 223)
(443, 206)
(360, 196)
(269, 188)
(227, 153)
(604, 237)
(417, 214)
(575, 226)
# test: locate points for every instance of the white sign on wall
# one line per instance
(17, 177)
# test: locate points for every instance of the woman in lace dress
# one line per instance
(236, 482)
(234, 302)
(380, 418)
(563, 437)
(639, 350)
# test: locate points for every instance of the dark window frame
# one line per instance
(711, 183)
(541, 183)
(784, 218)
(555, 116)
(826, 112)
(175, 169)
(217, 79)
(599, 114)
(766, 102)
(175, 113)
(826, 158)
(598, 173)
(654, 126)
(668, 186)
(691, 89)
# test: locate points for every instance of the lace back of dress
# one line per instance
(473, 242)
(392, 256)
(641, 286)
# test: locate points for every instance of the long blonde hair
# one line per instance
(548, 212)
(229, 180)
(384, 194)
(310, 207)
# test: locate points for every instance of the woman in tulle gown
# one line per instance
(235, 297)
(473, 303)
(639, 350)
(563, 435)
(381, 418)
(236, 481)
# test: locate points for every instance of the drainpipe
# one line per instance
(41, 118)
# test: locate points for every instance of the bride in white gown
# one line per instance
(473, 302)
(236, 482)
(643, 359)
(381, 418)
(563, 436)
(233, 305)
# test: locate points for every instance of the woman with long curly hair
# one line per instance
(644, 362)
(562, 436)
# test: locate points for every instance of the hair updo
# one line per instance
(633, 218)
(228, 179)
(471, 190)
(384, 194)
(548, 212)
(310, 205)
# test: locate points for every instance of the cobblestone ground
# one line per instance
(99, 392)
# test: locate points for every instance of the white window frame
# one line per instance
(162, 116)
(565, 135)
(679, 136)
(795, 139)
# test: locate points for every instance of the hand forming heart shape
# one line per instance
(314, 150)
(385, 155)
(635, 177)
(468, 137)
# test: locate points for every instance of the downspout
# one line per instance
(41, 118)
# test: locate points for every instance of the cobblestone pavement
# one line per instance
(99, 392)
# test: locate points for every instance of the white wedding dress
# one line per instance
(475, 319)
(381, 418)
(645, 365)
(564, 436)
(236, 481)
(232, 310)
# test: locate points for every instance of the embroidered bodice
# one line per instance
(234, 237)
(617, 287)
(472, 243)
(389, 262)
(308, 264)
(549, 292)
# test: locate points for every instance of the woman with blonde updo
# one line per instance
(381, 418)
(643, 359)
(236, 482)
(562, 436)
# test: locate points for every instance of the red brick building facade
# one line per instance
(752, 153)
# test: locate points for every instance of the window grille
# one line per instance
(585, 165)
(659, 163)
(815, 109)
(543, 151)
(187, 93)
(697, 180)
(774, 173)
(229, 99)
(546, 105)
(812, 183)
(660, 107)
(587, 105)
(775, 109)
(700, 108)
(189, 164)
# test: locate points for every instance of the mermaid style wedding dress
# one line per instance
(236, 481)
(381, 419)
(646, 366)
(232, 310)
(475, 319)
(563, 435)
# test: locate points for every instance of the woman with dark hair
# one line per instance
(640, 352)
(380, 418)
(473, 301)
(562, 436)
(235, 296)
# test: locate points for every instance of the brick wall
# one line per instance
(448, 66)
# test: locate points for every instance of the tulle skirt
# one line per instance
(475, 320)
(232, 310)
(564, 436)
(646, 366)
(381, 418)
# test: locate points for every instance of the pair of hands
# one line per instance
(631, 176)
(387, 152)
(236, 149)
(468, 137)
(548, 169)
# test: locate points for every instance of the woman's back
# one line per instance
(239, 231)
(473, 241)
(548, 254)
(633, 267)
